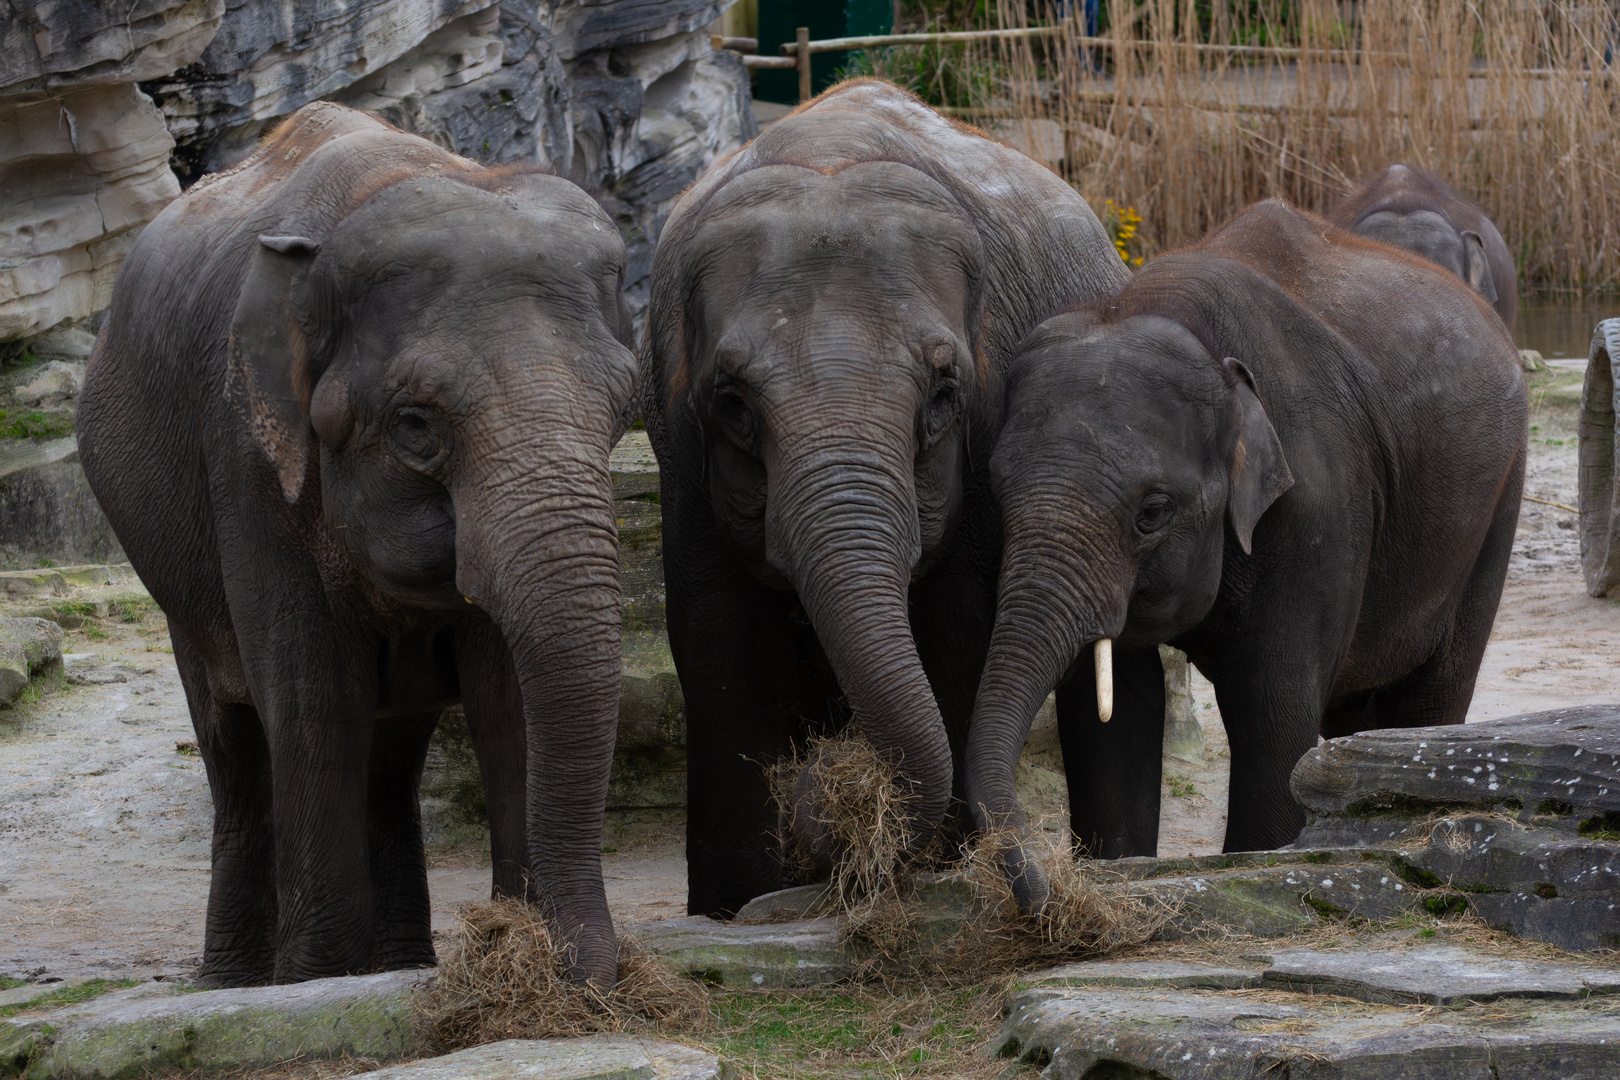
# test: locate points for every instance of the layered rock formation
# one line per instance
(84, 155)
(624, 95)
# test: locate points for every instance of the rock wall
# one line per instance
(98, 99)
(84, 155)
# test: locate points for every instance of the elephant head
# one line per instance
(831, 356)
(1131, 456)
(1431, 235)
(449, 343)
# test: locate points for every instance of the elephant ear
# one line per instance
(1476, 267)
(268, 357)
(1259, 473)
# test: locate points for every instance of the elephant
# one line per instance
(1290, 452)
(830, 314)
(1417, 211)
(350, 418)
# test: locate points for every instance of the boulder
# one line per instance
(596, 1057)
(1175, 974)
(157, 1027)
(1515, 820)
(46, 507)
(1093, 1033)
(1431, 975)
(1599, 479)
(26, 647)
(806, 952)
(50, 385)
(1560, 767)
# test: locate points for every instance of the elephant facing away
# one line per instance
(1418, 212)
(832, 309)
(350, 418)
(1293, 454)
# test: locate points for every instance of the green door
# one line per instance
(779, 21)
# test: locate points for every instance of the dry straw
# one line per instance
(504, 979)
(892, 915)
(1190, 112)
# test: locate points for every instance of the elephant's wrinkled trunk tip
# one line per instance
(1103, 658)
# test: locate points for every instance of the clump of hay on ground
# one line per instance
(1090, 911)
(504, 979)
(858, 806)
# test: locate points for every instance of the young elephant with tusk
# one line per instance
(1290, 452)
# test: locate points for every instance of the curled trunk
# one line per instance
(1046, 613)
(844, 530)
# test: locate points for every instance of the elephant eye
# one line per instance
(737, 420)
(1154, 513)
(416, 440)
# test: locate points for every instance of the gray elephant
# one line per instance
(832, 310)
(1418, 212)
(1294, 455)
(350, 418)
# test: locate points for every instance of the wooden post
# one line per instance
(804, 63)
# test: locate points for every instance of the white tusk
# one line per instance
(1104, 657)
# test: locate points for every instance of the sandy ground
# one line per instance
(104, 824)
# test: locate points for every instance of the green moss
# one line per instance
(1318, 857)
(69, 995)
(10, 984)
(34, 425)
(1445, 906)
(1325, 909)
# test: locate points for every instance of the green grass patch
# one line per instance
(10, 984)
(70, 995)
(914, 1032)
(34, 425)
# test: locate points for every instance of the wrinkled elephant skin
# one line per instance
(830, 317)
(1292, 454)
(350, 419)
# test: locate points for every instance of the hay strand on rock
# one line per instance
(504, 979)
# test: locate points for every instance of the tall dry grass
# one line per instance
(1181, 117)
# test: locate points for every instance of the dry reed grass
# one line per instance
(504, 979)
(1514, 104)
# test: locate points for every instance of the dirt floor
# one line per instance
(105, 812)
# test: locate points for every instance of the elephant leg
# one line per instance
(1272, 712)
(314, 682)
(1440, 691)
(494, 708)
(730, 641)
(398, 864)
(239, 942)
(1113, 769)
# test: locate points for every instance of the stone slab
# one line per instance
(599, 1057)
(1093, 1033)
(1562, 764)
(157, 1027)
(806, 952)
(1431, 975)
(1176, 974)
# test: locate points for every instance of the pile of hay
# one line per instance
(1090, 911)
(504, 979)
(859, 808)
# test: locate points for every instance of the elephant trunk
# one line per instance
(1047, 611)
(538, 551)
(843, 528)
